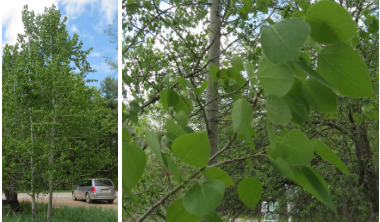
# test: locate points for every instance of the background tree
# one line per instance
(50, 117)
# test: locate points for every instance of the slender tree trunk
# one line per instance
(31, 157)
(212, 110)
(50, 202)
(32, 172)
(368, 177)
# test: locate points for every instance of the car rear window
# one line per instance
(103, 183)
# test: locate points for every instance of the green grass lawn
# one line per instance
(63, 214)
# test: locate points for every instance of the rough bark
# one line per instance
(11, 199)
(368, 177)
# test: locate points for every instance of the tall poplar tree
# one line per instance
(50, 117)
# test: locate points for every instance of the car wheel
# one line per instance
(88, 198)
(110, 201)
(74, 198)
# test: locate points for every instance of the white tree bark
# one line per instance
(212, 109)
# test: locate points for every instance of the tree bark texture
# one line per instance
(212, 109)
(11, 199)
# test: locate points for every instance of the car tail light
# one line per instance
(93, 189)
(114, 188)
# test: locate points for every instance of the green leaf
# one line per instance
(152, 141)
(242, 115)
(252, 130)
(237, 65)
(172, 167)
(330, 23)
(132, 8)
(319, 96)
(240, 80)
(135, 105)
(213, 73)
(326, 153)
(275, 79)
(168, 97)
(198, 91)
(296, 148)
(313, 73)
(182, 83)
(343, 67)
(247, 4)
(214, 173)
(251, 74)
(249, 191)
(126, 135)
(282, 41)
(148, 5)
(214, 217)
(278, 111)
(193, 149)
(173, 128)
(230, 72)
(283, 168)
(188, 84)
(203, 199)
(314, 183)
(298, 108)
(176, 212)
(181, 118)
(184, 104)
(133, 117)
(166, 78)
(233, 88)
(134, 162)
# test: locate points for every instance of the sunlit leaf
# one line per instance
(282, 41)
(193, 149)
(203, 199)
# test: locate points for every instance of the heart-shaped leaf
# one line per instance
(203, 199)
(193, 149)
(282, 41)
(249, 191)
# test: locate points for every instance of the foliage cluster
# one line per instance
(211, 128)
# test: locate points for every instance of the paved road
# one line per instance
(65, 199)
(55, 195)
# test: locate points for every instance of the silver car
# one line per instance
(95, 189)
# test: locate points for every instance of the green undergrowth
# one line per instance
(62, 214)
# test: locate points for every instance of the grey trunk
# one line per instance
(212, 109)
(50, 203)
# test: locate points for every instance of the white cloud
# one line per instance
(88, 36)
(12, 16)
(98, 27)
(74, 29)
(75, 8)
(102, 68)
(94, 54)
(107, 9)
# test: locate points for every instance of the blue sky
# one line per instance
(87, 18)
